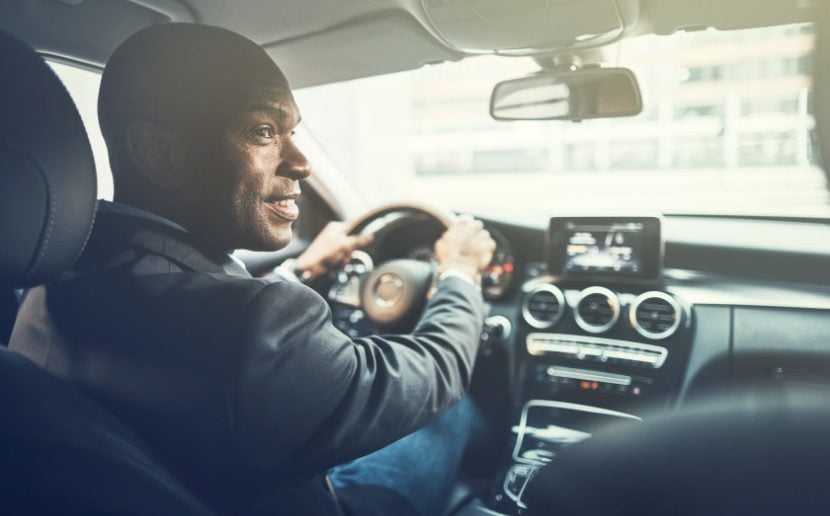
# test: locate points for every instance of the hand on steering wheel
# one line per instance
(466, 247)
(393, 295)
(329, 249)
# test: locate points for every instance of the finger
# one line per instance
(359, 241)
(337, 257)
(363, 240)
(313, 271)
(350, 244)
(465, 217)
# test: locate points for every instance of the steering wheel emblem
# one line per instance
(388, 290)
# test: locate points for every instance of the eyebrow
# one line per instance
(278, 112)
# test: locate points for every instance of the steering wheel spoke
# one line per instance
(346, 287)
(392, 295)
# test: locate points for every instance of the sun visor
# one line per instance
(522, 27)
(390, 43)
(668, 16)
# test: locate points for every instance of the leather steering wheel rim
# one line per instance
(444, 217)
(395, 292)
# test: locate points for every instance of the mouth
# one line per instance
(284, 206)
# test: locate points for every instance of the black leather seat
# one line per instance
(60, 453)
(8, 310)
(63, 454)
(764, 451)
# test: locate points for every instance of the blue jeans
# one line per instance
(420, 468)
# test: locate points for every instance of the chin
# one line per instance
(263, 237)
(275, 240)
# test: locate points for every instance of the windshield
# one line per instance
(727, 128)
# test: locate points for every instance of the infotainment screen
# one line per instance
(630, 246)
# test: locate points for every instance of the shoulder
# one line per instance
(285, 313)
(155, 264)
(291, 298)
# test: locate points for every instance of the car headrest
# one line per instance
(821, 85)
(47, 174)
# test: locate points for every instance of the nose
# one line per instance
(294, 164)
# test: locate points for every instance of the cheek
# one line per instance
(250, 179)
(256, 169)
(240, 177)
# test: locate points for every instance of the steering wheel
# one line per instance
(392, 295)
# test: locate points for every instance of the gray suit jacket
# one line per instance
(243, 387)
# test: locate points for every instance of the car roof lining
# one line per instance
(324, 41)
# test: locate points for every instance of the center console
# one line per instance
(602, 343)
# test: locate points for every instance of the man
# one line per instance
(243, 387)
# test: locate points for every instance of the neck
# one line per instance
(153, 205)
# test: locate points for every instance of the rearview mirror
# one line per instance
(568, 95)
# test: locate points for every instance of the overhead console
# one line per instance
(485, 26)
(601, 341)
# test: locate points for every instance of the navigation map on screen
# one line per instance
(614, 248)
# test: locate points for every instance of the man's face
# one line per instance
(247, 179)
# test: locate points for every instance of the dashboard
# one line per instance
(596, 321)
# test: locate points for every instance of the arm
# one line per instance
(332, 247)
(312, 397)
(308, 391)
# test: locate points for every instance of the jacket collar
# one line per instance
(116, 233)
(126, 209)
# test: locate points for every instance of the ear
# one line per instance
(150, 149)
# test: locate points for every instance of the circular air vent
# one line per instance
(597, 310)
(655, 315)
(543, 306)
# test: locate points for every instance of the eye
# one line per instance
(264, 132)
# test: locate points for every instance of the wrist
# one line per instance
(302, 263)
(292, 267)
(466, 271)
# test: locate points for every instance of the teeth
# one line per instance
(286, 202)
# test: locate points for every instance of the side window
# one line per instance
(83, 85)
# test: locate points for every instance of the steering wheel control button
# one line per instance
(349, 321)
(346, 287)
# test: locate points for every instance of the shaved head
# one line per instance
(178, 76)
(198, 122)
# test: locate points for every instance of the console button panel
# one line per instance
(596, 349)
